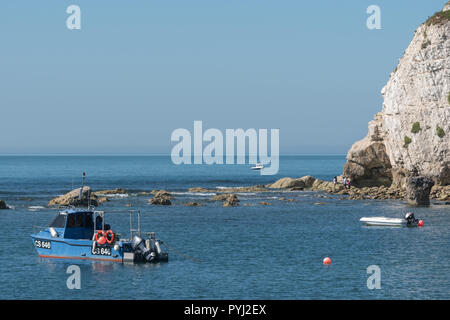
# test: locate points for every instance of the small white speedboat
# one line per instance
(409, 221)
(383, 221)
(258, 166)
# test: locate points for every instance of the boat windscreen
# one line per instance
(59, 221)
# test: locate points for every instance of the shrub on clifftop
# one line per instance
(438, 18)
(440, 132)
(407, 141)
(415, 127)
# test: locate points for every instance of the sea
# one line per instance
(251, 251)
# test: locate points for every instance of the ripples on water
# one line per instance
(247, 252)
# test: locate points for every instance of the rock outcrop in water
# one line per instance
(228, 199)
(231, 201)
(309, 183)
(418, 190)
(161, 197)
(110, 192)
(72, 198)
(3, 205)
(298, 183)
(192, 204)
(411, 135)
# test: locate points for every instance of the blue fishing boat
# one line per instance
(83, 234)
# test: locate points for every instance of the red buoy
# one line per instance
(421, 223)
(327, 261)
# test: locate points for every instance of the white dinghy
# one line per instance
(383, 221)
(408, 221)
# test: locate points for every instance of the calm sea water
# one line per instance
(246, 252)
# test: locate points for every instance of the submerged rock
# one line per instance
(3, 205)
(100, 200)
(161, 197)
(145, 193)
(198, 189)
(114, 191)
(160, 201)
(219, 197)
(258, 188)
(193, 204)
(231, 201)
(418, 190)
(228, 199)
(72, 198)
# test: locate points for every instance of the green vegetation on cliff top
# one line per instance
(407, 141)
(440, 132)
(416, 127)
(438, 18)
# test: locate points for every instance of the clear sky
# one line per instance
(137, 70)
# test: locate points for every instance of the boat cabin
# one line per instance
(78, 224)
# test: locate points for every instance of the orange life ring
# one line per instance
(100, 237)
(109, 236)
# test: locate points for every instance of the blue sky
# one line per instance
(137, 70)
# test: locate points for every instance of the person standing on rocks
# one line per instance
(348, 183)
(345, 182)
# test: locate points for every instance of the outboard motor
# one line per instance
(410, 219)
(138, 246)
(155, 245)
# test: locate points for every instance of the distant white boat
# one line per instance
(409, 220)
(35, 208)
(258, 166)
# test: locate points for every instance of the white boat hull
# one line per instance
(383, 221)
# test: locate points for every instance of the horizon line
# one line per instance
(150, 154)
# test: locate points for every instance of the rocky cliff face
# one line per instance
(411, 136)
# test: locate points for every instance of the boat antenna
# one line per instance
(80, 197)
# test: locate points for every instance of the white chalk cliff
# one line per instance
(411, 135)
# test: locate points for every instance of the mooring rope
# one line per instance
(179, 253)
